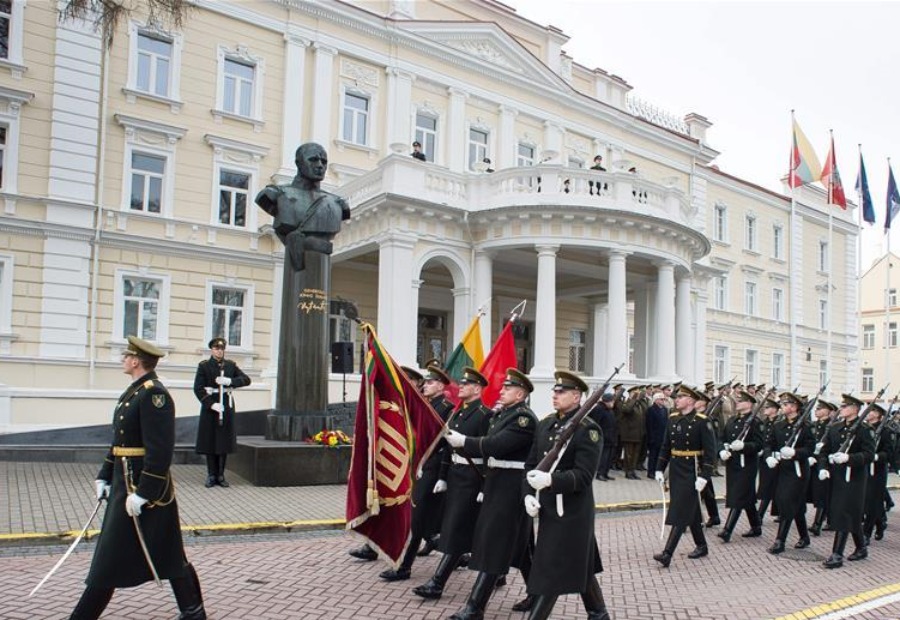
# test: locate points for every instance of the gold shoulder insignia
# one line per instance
(674, 414)
(594, 434)
(701, 416)
(148, 384)
(523, 421)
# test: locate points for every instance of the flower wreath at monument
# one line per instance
(330, 438)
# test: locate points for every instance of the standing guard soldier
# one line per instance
(462, 485)
(566, 557)
(768, 478)
(846, 468)
(876, 485)
(708, 494)
(503, 529)
(214, 382)
(788, 452)
(743, 442)
(688, 443)
(141, 505)
(819, 490)
(631, 429)
(427, 506)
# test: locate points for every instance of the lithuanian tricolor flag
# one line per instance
(469, 351)
(805, 166)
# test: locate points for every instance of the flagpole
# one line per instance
(854, 374)
(828, 309)
(795, 364)
(887, 290)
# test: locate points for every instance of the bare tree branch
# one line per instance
(106, 15)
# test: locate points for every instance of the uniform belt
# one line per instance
(687, 453)
(461, 460)
(122, 451)
(498, 464)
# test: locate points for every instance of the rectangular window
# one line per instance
(778, 242)
(892, 297)
(750, 366)
(577, 341)
(147, 172)
(426, 134)
(228, 314)
(778, 304)
(356, 118)
(2, 152)
(720, 364)
(525, 155)
(154, 64)
(478, 141)
(750, 298)
(750, 234)
(141, 305)
(868, 337)
(892, 335)
(823, 256)
(720, 225)
(233, 192)
(5, 19)
(823, 314)
(868, 380)
(720, 293)
(777, 369)
(823, 372)
(238, 94)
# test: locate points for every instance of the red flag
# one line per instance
(501, 357)
(396, 429)
(832, 179)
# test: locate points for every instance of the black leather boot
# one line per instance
(92, 603)
(434, 587)
(593, 601)
(778, 546)
(365, 552)
(755, 523)
(763, 507)
(804, 541)
(220, 478)
(542, 607)
(478, 598)
(665, 558)
(430, 545)
(188, 596)
(211, 471)
(730, 521)
(860, 553)
(818, 519)
(836, 559)
(404, 571)
(700, 548)
(525, 604)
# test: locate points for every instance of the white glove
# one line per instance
(223, 380)
(218, 408)
(787, 452)
(133, 504)
(456, 439)
(209, 391)
(824, 474)
(700, 484)
(876, 458)
(102, 488)
(737, 445)
(819, 447)
(771, 461)
(440, 486)
(660, 477)
(724, 455)
(538, 479)
(840, 457)
(532, 506)
(811, 460)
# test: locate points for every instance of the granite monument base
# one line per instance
(268, 463)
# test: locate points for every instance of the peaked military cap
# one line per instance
(617, 387)
(878, 408)
(470, 375)
(709, 385)
(218, 341)
(514, 377)
(703, 396)
(849, 399)
(136, 346)
(790, 397)
(434, 362)
(746, 397)
(436, 373)
(566, 380)
(824, 404)
(635, 388)
(771, 403)
(412, 374)
(687, 390)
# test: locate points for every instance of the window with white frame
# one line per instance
(823, 256)
(577, 342)
(233, 197)
(751, 366)
(750, 233)
(340, 327)
(868, 336)
(892, 297)
(12, 18)
(478, 146)
(525, 155)
(229, 314)
(5, 23)
(239, 91)
(720, 363)
(236, 168)
(720, 223)
(720, 292)
(823, 314)
(154, 64)
(149, 165)
(2, 152)
(147, 177)
(777, 369)
(823, 372)
(892, 335)
(778, 241)
(778, 304)
(356, 118)
(11, 103)
(238, 87)
(750, 298)
(868, 380)
(141, 298)
(426, 134)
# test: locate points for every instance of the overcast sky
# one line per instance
(745, 65)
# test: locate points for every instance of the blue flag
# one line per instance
(862, 186)
(893, 199)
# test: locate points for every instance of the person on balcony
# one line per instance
(598, 165)
(417, 151)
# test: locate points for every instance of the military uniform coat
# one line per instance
(790, 490)
(845, 507)
(878, 474)
(428, 507)
(740, 478)
(818, 489)
(688, 445)
(768, 478)
(464, 483)
(144, 418)
(566, 555)
(501, 533)
(212, 437)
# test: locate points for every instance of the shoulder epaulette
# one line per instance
(674, 414)
(148, 384)
(702, 416)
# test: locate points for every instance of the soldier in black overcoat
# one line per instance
(463, 484)
(740, 453)
(689, 450)
(216, 435)
(845, 456)
(566, 558)
(708, 494)
(427, 506)
(876, 485)
(138, 485)
(787, 452)
(768, 478)
(502, 529)
(819, 490)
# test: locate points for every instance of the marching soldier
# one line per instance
(876, 485)
(819, 489)
(462, 485)
(214, 382)
(688, 442)
(566, 558)
(141, 506)
(502, 530)
(768, 478)
(708, 494)
(743, 442)
(844, 459)
(787, 453)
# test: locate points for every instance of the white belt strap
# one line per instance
(498, 464)
(461, 460)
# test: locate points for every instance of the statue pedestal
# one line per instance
(299, 426)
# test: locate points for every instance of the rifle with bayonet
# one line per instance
(754, 413)
(804, 416)
(851, 435)
(885, 419)
(717, 401)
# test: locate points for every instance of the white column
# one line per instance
(456, 130)
(399, 96)
(461, 304)
(617, 323)
(553, 140)
(545, 312)
(702, 297)
(292, 110)
(665, 321)
(684, 352)
(642, 332)
(323, 83)
(506, 138)
(484, 273)
(599, 327)
(397, 293)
